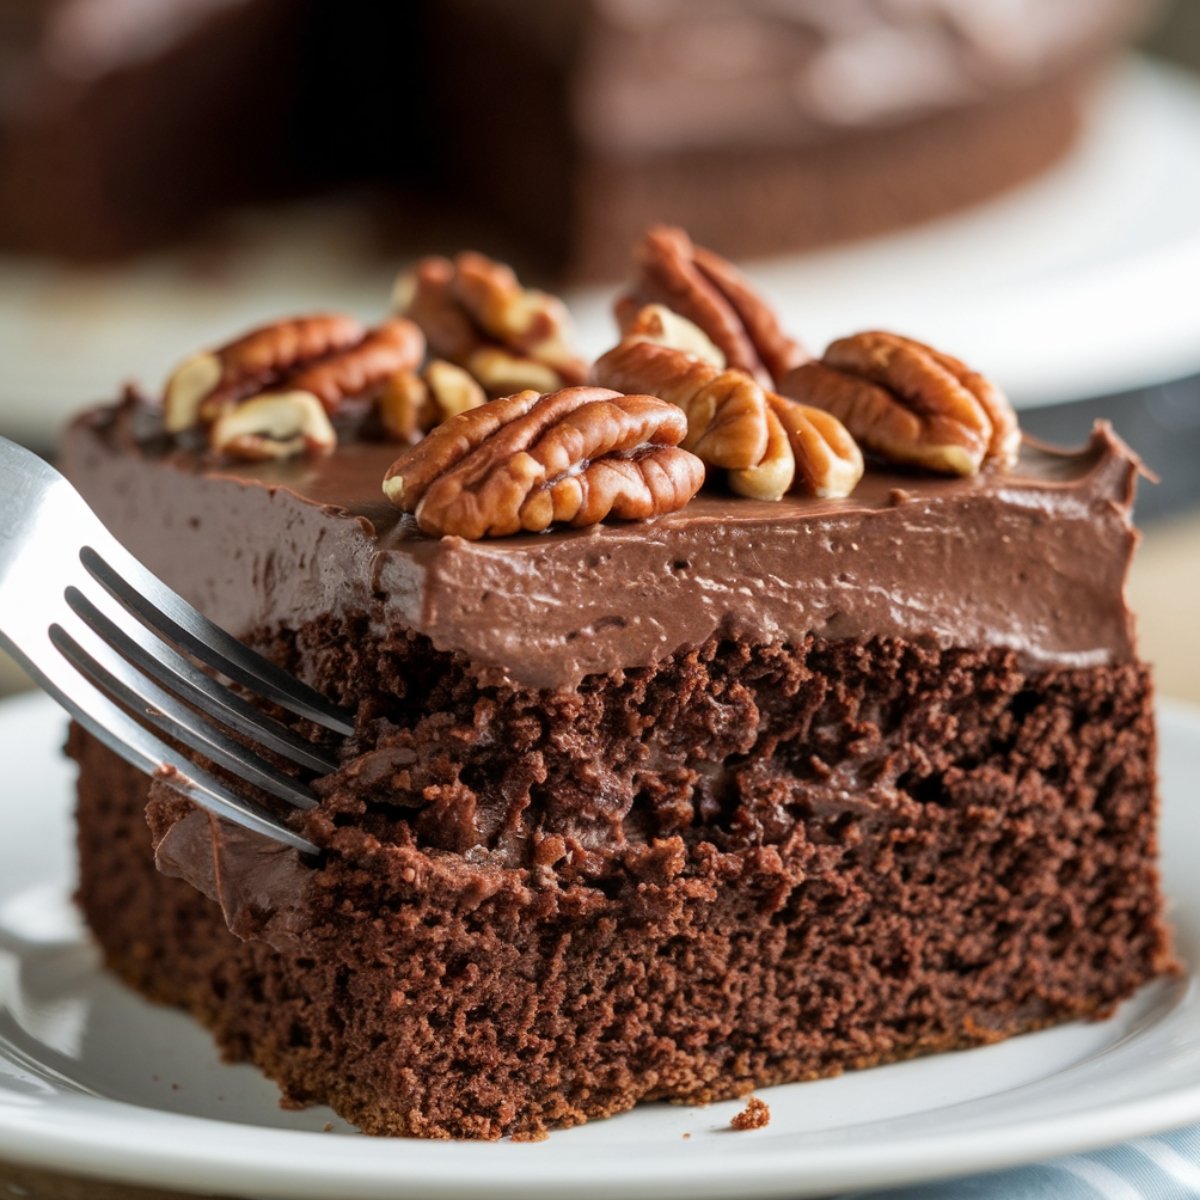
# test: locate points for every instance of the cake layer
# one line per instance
(749, 864)
(1033, 560)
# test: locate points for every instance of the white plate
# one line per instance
(1080, 283)
(93, 1080)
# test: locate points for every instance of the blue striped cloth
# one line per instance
(1166, 1167)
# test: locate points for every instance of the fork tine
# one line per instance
(141, 749)
(171, 670)
(143, 594)
(40, 506)
(113, 675)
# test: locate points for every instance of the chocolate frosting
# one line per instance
(1034, 559)
(261, 887)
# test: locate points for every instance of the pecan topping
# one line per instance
(709, 291)
(768, 444)
(274, 425)
(775, 472)
(330, 358)
(252, 363)
(910, 404)
(726, 412)
(829, 462)
(360, 370)
(411, 405)
(529, 461)
(476, 314)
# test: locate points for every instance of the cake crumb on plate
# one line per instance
(756, 1115)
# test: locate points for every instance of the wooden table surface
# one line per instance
(21, 1183)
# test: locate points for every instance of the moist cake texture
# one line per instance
(747, 794)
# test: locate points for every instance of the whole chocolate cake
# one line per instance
(656, 792)
(764, 125)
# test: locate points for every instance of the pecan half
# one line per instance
(214, 379)
(329, 357)
(501, 372)
(709, 291)
(274, 425)
(410, 405)
(768, 444)
(829, 462)
(529, 461)
(476, 314)
(725, 410)
(775, 472)
(910, 403)
(393, 346)
(657, 323)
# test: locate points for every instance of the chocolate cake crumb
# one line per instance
(756, 1115)
(530, 1135)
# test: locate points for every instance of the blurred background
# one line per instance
(1017, 181)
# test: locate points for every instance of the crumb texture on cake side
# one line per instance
(794, 873)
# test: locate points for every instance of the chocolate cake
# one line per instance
(803, 773)
(762, 126)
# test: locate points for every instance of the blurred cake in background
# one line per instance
(763, 125)
(125, 123)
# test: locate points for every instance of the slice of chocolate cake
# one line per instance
(804, 774)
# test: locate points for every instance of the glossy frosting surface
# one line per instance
(1034, 559)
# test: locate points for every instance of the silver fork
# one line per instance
(106, 639)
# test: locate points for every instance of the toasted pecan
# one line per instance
(828, 459)
(410, 404)
(726, 412)
(274, 425)
(909, 403)
(204, 384)
(772, 476)
(330, 358)
(529, 461)
(657, 323)
(768, 444)
(710, 292)
(475, 313)
(393, 346)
